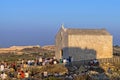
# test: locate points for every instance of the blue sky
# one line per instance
(32, 22)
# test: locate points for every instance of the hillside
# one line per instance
(44, 49)
(26, 52)
(28, 49)
(37, 50)
(14, 49)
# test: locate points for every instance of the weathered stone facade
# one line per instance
(83, 44)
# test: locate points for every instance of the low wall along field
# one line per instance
(114, 60)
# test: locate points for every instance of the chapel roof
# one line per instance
(87, 31)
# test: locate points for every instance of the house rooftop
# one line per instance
(71, 31)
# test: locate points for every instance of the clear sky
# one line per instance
(36, 22)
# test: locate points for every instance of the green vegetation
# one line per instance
(25, 55)
(13, 57)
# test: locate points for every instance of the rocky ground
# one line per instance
(105, 71)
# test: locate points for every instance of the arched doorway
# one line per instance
(61, 53)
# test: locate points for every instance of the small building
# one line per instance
(83, 44)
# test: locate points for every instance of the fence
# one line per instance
(115, 59)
